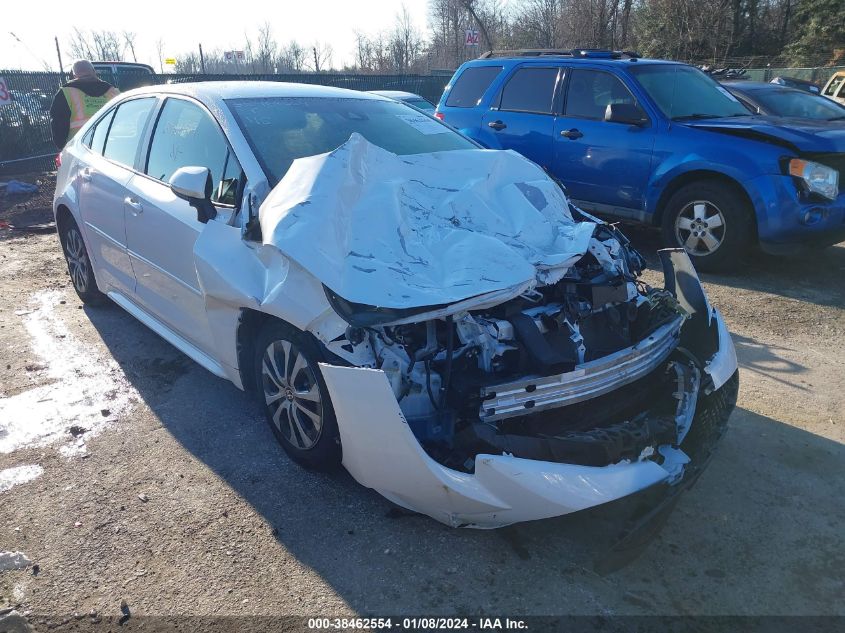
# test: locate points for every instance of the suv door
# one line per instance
(161, 229)
(113, 145)
(522, 118)
(605, 166)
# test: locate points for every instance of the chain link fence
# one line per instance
(26, 140)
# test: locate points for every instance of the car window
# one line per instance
(834, 85)
(530, 90)
(471, 86)
(126, 130)
(186, 135)
(282, 129)
(591, 91)
(422, 104)
(96, 136)
(800, 104)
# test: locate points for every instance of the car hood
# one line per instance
(802, 135)
(422, 230)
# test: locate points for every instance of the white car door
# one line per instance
(113, 145)
(161, 229)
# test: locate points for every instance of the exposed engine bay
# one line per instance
(586, 370)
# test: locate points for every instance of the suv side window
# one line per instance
(126, 129)
(186, 135)
(591, 91)
(471, 86)
(530, 90)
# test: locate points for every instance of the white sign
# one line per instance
(5, 95)
(472, 37)
(423, 123)
(231, 56)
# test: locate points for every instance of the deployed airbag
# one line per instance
(429, 229)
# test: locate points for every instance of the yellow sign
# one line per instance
(170, 61)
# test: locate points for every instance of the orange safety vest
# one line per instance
(83, 106)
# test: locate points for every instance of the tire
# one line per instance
(689, 223)
(79, 264)
(294, 396)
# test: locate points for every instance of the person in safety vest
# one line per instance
(77, 101)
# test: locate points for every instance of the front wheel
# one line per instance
(295, 398)
(711, 222)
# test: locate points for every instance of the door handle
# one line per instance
(86, 174)
(497, 125)
(571, 134)
(134, 205)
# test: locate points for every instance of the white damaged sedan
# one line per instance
(434, 316)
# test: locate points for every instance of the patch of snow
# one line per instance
(17, 475)
(82, 385)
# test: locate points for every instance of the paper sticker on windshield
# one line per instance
(423, 124)
(728, 94)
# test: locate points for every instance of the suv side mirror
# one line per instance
(194, 185)
(625, 113)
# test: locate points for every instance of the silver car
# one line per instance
(435, 317)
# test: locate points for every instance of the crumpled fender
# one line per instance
(704, 334)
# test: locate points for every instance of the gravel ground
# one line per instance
(130, 476)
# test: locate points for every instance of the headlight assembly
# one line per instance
(818, 178)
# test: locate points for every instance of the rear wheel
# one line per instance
(711, 222)
(79, 264)
(295, 398)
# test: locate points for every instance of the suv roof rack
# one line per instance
(601, 53)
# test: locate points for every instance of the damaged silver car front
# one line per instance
(488, 351)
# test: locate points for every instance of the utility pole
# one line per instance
(61, 67)
(202, 61)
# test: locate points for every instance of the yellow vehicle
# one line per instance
(835, 87)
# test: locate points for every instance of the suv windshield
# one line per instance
(683, 92)
(282, 129)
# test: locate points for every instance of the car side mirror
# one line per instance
(194, 185)
(627, 113)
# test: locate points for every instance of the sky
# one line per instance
(184, 24)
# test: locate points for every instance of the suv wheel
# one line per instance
(710, 222)
(294, 395)
(79, 264)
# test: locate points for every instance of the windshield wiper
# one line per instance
(697, 115)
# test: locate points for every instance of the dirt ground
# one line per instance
(143, 481)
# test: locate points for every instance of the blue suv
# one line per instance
(660, 143)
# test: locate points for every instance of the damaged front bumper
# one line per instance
(381, 452)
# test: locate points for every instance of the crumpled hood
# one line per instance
(803, 135)
(429, 229)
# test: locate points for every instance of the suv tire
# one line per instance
(711, 222)
(294, 396)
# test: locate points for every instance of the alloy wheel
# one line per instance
(78, 263)
(292, 394)
(700, 228)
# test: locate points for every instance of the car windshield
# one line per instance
(282, 129)
(799, 104)
(683, 92)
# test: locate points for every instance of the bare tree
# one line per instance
(160, 53)
(292, 58)
(265, 50)
(321, 56)
(129, 38)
